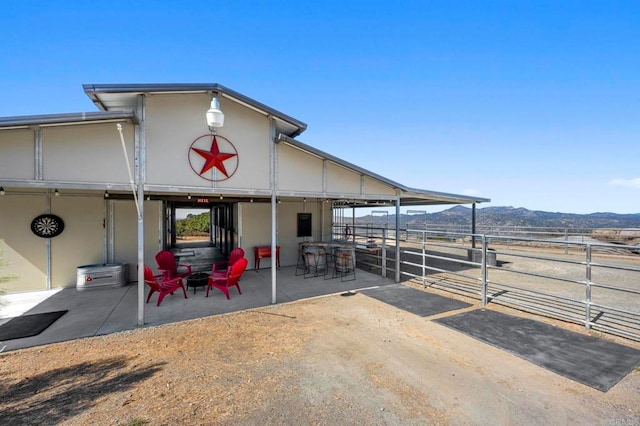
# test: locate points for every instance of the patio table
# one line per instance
(198, 279)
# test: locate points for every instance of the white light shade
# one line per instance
(215, 117)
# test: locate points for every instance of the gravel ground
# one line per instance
(326, 361)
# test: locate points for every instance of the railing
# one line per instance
(609, 235)
(593, 284)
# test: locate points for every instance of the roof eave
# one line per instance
(412, 196)
(93, 91)
(50, 120)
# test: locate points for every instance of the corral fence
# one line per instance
(590, 283)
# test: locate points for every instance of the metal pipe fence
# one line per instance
(590, 283)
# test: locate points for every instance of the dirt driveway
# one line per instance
(326, 361)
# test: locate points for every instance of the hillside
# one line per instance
(492, 217)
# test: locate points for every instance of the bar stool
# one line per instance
(301, 266)
(330, 258)
(316, 261)
(344, 265)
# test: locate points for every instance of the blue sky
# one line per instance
(533, 104)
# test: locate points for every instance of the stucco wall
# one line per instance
(303, 172)
(24, 253)
(375, 187)
(175, 121)
(126, 234)
(341, 180)
(298, 170)
(80, 243)
(256, 228)
(87, 153)
(17, 154)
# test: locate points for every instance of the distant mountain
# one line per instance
(491, 217)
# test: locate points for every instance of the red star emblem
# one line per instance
(214, 158)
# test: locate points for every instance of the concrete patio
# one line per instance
(100, 311)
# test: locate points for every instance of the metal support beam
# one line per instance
(48, 244)
(353, 224)
(39, 169)
(398, 239)
(274, 205)
(473, 225)
(140, 134)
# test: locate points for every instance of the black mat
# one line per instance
(414, 301)
(28, 325)
(589, 360)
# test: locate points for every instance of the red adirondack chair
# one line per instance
(220, 269)
(162, 286)
(230, 280)
(167, 265)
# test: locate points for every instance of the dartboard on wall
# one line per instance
(47, 226)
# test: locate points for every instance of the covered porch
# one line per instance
(101, 311)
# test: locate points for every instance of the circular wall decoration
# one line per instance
(47, 226)
(213, 157)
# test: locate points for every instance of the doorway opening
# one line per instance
(193, 227)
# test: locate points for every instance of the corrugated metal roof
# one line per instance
(408, 196)
(45, 120)
(123, 96)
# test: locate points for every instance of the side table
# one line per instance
(264, 251)
(198, 279)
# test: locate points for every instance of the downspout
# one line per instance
(398, 238)
(140, 146)
(274, 201)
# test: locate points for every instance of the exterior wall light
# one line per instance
(2, 190)
(188, 196)
(106, 194)
(215, 116)
(56, 193)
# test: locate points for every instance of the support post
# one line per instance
(424, 259)
(274, 208)
(398, 239)
(587, 322)
(485, 272)
(473, 225)
(383, 254)
(140, 173)
(353, 224)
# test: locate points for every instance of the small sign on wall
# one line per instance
(304, 225)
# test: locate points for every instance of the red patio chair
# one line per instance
(162, 286)
(220, 269)
(229, 280)
(167, 265)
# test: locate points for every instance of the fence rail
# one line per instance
(583, 234)
(588, 282)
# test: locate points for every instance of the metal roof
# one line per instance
(123, 96)
(48, 120)
(408, 196)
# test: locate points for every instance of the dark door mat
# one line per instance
(28, 325)
(414, 301)
(589, 360)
